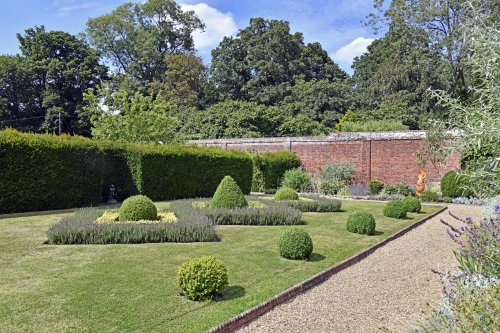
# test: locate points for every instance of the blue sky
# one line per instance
(336, 24)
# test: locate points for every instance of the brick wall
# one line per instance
(384, 156)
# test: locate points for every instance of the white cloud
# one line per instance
(66, 7)
(217, 25)
(346, 54)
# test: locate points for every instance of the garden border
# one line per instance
(260, 309)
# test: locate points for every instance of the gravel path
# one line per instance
(389, 291)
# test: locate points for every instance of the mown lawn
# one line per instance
(132, 288)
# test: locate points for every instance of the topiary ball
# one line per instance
(412, 204)
(228, 195)
(201, 278)
(286, 193)
(361, 223)
(137, 207)
(452, 185)
(295, 244)
(395, 209)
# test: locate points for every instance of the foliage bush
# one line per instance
(320, 205)
(334, 176)
(429, 196)
(373, 126)
(138, 207)
(375, 187)
(399, 188)
(42, 171)
(297, 179)
(286, 193)
(272, 166)
(82, 228)
(358, 190)
(412, 204)
(202, 278)
(228, 195)
(395, 209)
(453, 185)
(295, 244)
(272, 215)
(361, 223)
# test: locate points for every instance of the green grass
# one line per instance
(131, 288)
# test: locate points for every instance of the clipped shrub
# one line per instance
(202, 278)
(297, 179)
(395, 209)
(334, 176)
(399, 188)
(286, 193)
(272, 166)
(412, 204)
(361, 223)
(375, 187)
(295, 244)
(138, 207)
(43, 171)
(430, 196)
(452, 185)
(228, 195)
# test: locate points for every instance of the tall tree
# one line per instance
(137, 38)
(184, 82)
(44, 86)
(264, 60)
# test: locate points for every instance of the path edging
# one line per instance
(251, 314)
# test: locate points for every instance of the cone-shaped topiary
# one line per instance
(412, 204)
(228, 195)
(201, 278)
(138, 207)
(295, 244)
(361, 223)
(286, 193)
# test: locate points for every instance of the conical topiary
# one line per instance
(228, 195)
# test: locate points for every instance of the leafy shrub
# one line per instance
(373, 126)
(276, 214)
(138, 207)
(343, 192)
(202, 278)
(375, 187)
(412, 204)
(361, 223)
(358, 190)
(399, 188)
(429, 196)
(286, 193)
(334, 176)
(42, 171)
(228, 195)
(81, 228)
(452, 185)
(295, 244)
(297, 179)
(270, 191)
(322, 205)
(395, 209)
(447, 199)
(272, 166)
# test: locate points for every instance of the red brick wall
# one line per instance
(387, 157)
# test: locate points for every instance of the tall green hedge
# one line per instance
(42, 171)
(271, 166)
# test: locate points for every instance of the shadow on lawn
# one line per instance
(231, 292)
(316, 257)
(377, 233)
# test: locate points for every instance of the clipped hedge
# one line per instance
(43, 171)
(271, 166)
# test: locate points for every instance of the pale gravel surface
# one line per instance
(389, 291)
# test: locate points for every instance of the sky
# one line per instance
(336, 24)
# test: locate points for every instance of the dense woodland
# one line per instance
(135, 75)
